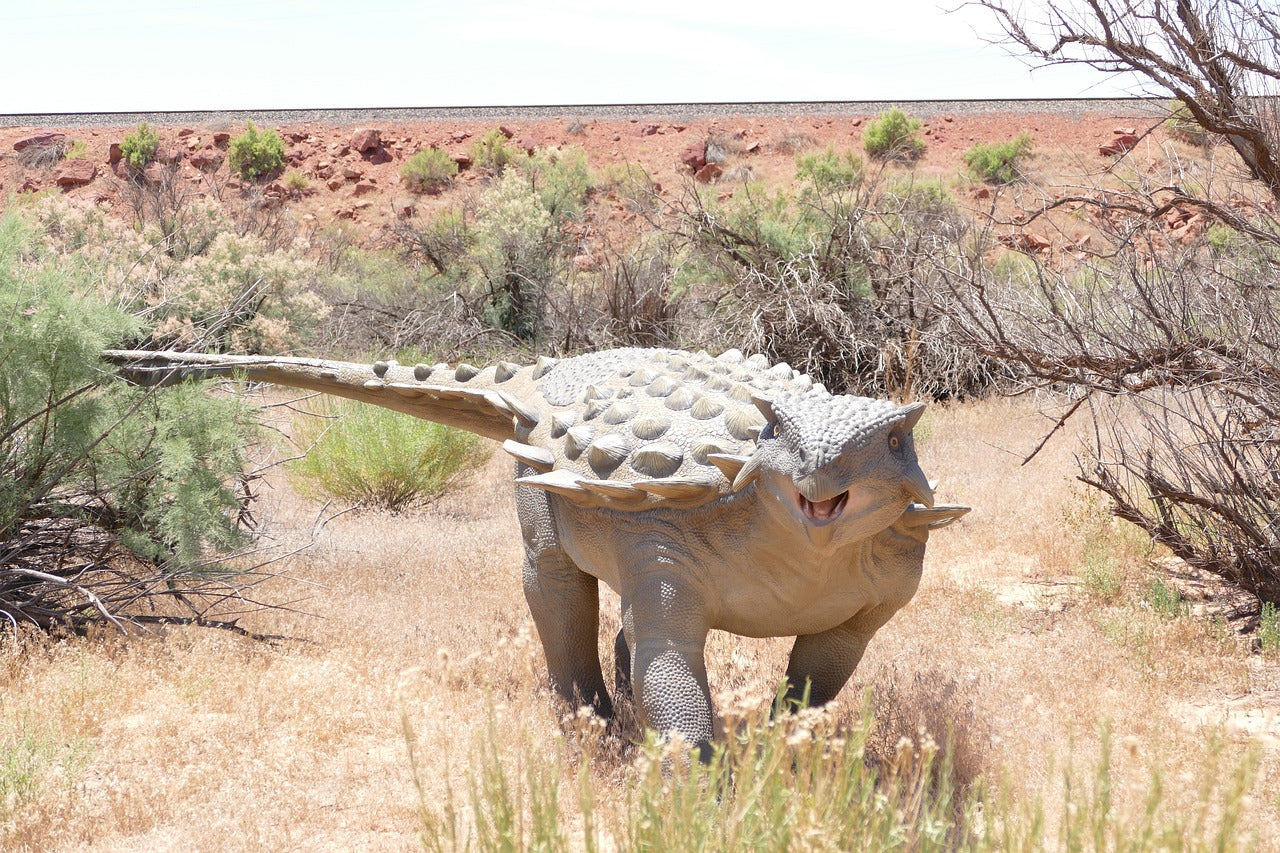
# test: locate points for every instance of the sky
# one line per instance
(76, 56)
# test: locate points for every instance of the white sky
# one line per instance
(140, 55)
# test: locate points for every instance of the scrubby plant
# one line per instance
(893, 135)
(296, 182)
(139, 148)
(515, 252)
(829, 169)
(561, 178)
(112, 498)
(1269, 629)
(1183, 126)
(492, 153)
(429, 170)
(999, 162)
(382, 459)
(256, 153)
(77, 150)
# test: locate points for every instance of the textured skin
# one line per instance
(708, 492)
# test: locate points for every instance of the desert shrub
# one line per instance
(626, 179)
(1164, 599)
(139, 148)
(296, 182)
(999, 162)
(77, 150)
(111, 497)
(515, 255)
(428, 170)
(829, 170)
(256, 153)
(238, 296)
(1182, 125)
(1269, 629)
(893, 135)
(492, 153)
(382, 459)
(561, 178)
(793, 143)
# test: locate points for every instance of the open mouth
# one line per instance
(823, 512)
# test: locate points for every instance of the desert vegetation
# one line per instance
(1092, 660)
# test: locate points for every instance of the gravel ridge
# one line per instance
(1119, 107)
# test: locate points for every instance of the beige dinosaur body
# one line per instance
(708, 492)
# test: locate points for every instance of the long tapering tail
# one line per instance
(490, 402)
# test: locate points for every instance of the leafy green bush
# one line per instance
(1165, 600)
(296, 181)
(1182, 125)
(829, 170)
(256, 153)
(561, 178)
(999, 162)
(492, 153)
(429, 170)
(139, 148)
(382, 459)
(893, 135)
(515, 253)
(1269, 629)
(111, 494)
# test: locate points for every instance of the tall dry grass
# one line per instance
(414, 670)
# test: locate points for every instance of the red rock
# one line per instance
(185, 132)
(695, 156)
(459, 136)
(41, 140)
(114, 154)
(351, 173)
(708, 173)
(30, 185)
(365, 188)
(1026, 241)
(168, 155)
(377, 156)
(206, 159)
(334, 183)
(221, 138)
(1119, 145)
(75, 173)
(506, 131)
(647, 130)
(366, 139)
(982, 192)
(753, 148)
(463, 161)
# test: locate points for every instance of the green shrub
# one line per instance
(429, 170)
(1000, 162)
(256, 153)
(78, 150)
(139, 148)
(492, 153)
(125, 492)
(561, 178)
(893, 136)
(1182, 125)
(382, 459)
(830, 170)
(296, 181)
(1165, 600)
(1269, 629)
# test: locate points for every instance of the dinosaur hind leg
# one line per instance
(565, 603)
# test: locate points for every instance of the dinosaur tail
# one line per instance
(488, 401)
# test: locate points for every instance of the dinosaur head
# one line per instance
(840, 467)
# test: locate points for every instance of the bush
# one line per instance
(893, 136)
(382, 459)
(829, 170)
(296, 182)
(1000, 162)
(256, 153)
(139, 148)
(492, 153)
(429, 170)
(1182, 125)
(561, 179)
(111, 497)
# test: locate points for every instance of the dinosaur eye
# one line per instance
(772, 429)
(894, 442)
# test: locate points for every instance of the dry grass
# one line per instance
(202, 740)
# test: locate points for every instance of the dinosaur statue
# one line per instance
(707, 492)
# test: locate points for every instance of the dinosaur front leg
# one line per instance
(668, 665)
(822, 663)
